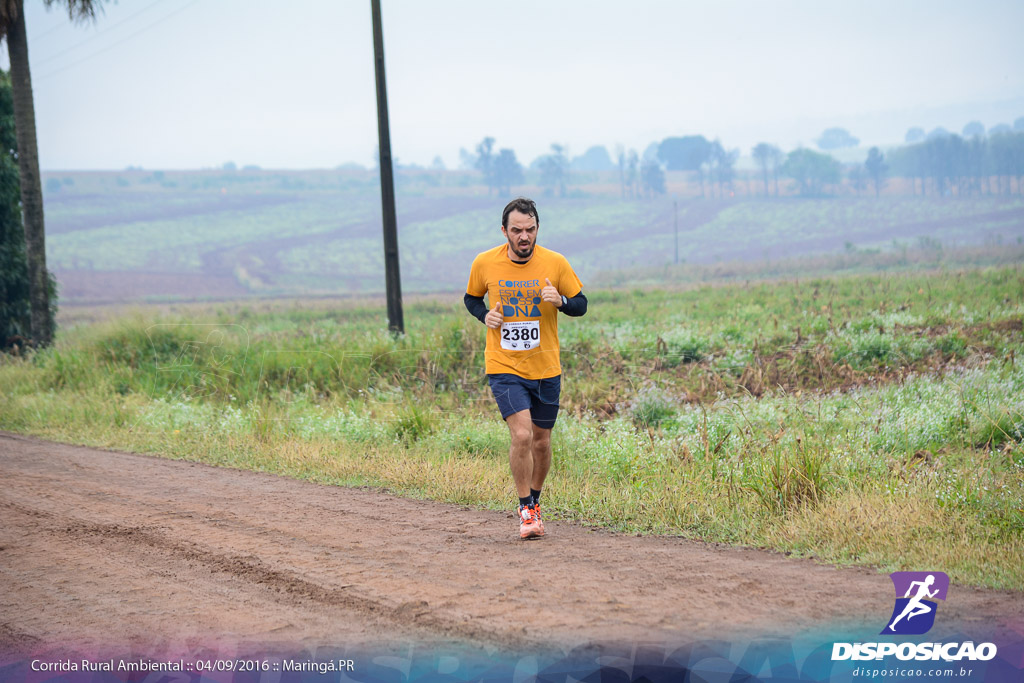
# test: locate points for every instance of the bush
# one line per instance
(952, 344)
(682, 346)
(651, 407)
(412, 423)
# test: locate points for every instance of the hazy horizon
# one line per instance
(189, 85)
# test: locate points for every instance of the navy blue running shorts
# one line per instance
(540, 396)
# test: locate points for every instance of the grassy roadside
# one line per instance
(873, 420)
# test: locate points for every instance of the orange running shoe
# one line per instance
(529, 523)
(540, 518)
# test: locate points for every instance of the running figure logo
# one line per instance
(914, 612)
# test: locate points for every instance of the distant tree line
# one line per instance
(714, 165)
(500, 170)
(939, 163)
(942, 163)
(949, 164)
(554, 170)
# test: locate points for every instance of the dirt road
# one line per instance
(102, 549)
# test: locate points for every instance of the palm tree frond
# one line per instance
(8, 13)
(78, 10)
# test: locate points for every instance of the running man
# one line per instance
(526, 285)
(915, 607)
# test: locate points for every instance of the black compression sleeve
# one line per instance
(576, 306)
(475, 305)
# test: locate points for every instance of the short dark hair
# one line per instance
(525, 206)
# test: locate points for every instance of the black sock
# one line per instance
(535, 493)
(523, 502)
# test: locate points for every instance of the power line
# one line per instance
(47, 32)
(96, 35)
(123, 40)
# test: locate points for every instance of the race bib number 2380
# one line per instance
(521, 335)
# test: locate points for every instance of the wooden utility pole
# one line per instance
(392, 276)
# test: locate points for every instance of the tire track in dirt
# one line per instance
(291, 587)
(198, 592)
(102, 548)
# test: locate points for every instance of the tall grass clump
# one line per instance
(787, 481)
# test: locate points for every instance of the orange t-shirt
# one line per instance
(526, 344)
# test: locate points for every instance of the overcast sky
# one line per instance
(195, 83)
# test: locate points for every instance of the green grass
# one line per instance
(871, 419)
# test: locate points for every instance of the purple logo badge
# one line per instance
(916, 593)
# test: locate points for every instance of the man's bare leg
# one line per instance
(520, 452)
(541, 456)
